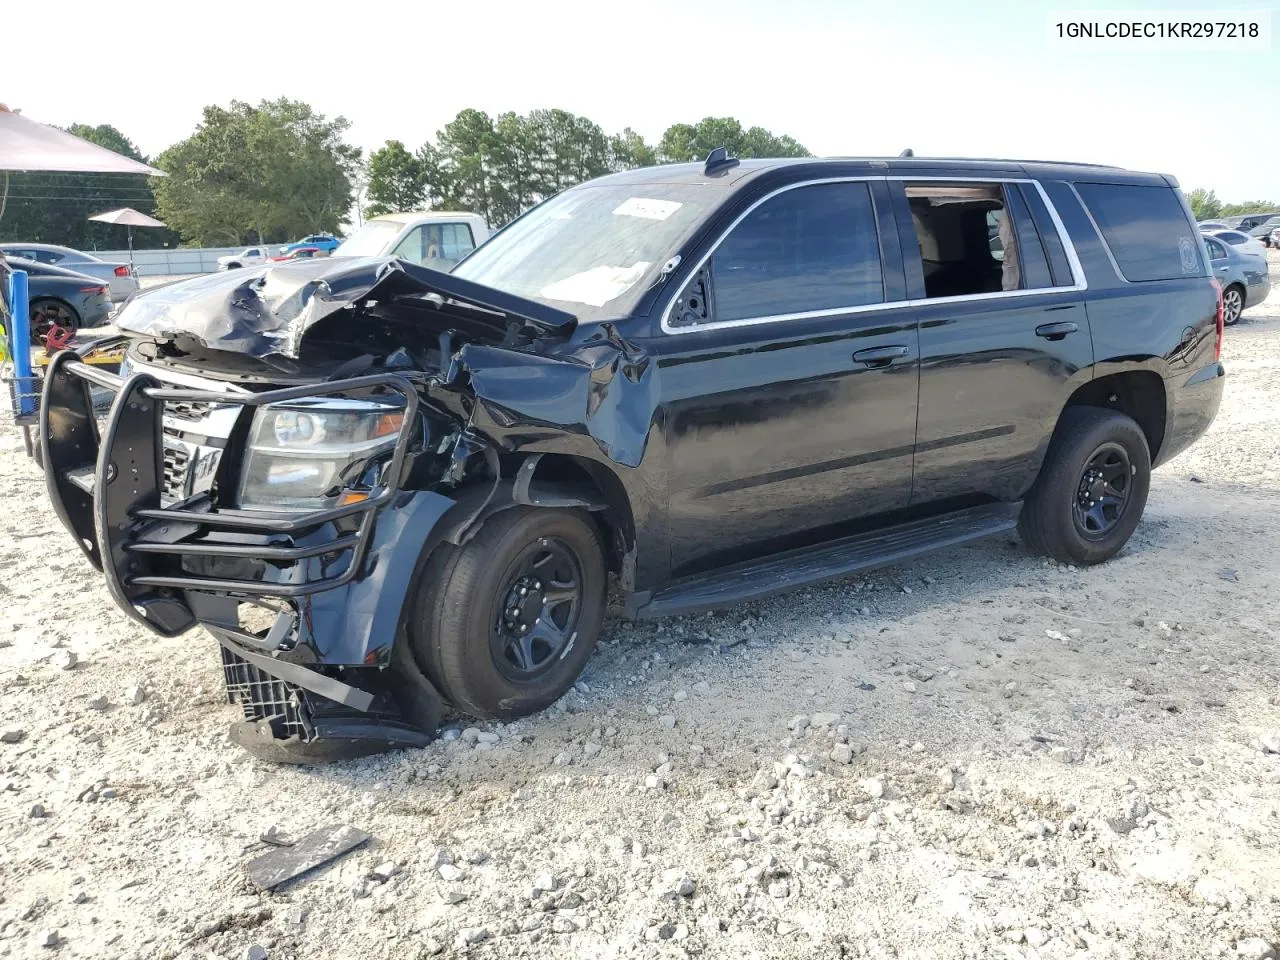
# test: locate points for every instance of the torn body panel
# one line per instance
(495, 395)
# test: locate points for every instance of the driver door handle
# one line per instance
(881, 356)
(1056, 331)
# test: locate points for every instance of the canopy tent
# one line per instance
(29, 146)
(130, 218)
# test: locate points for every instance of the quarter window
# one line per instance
(807, 249)
(1146, 229)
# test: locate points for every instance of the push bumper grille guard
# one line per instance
(106, 491)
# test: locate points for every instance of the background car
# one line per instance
(326, 242)
(300, 253)
(1259, 226)
(1251, 246)
(438, 239)
(1207, 225)
(1245, 279)
(1275, 237)
(119, 276)
(60, 297)
(248, 257)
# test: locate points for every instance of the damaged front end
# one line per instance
(281, 453)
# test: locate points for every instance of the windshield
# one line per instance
(592, 250)
(371, 240)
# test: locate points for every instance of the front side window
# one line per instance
(973, 239)
(807, 249)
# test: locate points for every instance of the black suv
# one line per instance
(389, 491)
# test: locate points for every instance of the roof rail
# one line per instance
(718, 161)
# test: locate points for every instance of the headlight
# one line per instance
(300, 453)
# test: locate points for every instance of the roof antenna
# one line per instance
(718, 160)
(907, 153)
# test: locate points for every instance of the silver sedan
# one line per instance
(120, 276)
(1245, 279)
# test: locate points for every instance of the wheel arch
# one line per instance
(1139, 394)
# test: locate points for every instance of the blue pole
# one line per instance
(24, 402)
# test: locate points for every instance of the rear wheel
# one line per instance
(1232, 304)
(1092, 487)
(505, 623)
(47, 313)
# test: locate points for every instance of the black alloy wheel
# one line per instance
(47, 314)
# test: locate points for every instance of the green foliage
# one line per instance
(55, 207)
(267, 174)
(1205, 204)
(1248, 206)
(685, 142)
(500, 167)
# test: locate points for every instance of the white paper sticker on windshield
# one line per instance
(596, 286)
(647, 208)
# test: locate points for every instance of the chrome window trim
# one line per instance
(1080, 282)
(1106, 247)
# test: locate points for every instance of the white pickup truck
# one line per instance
(436, 239)
(248, 257)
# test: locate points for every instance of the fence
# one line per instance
(181, 262)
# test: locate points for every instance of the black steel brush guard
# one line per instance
(105, 488)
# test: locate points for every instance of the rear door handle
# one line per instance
(881, 356)
(1056, 331)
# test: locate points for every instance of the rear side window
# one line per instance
(806, 249)
(1146, 229)
(1216, 251)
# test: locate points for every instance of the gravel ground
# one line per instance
(981, 754)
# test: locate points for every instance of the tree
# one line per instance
(395, 180)
(628, 150)
(683, 142)
(55, 207)
(1205, 204)
(266, 173)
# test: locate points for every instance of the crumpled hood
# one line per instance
(267, 310)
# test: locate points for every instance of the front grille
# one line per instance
(193, 410)
(263, 697)
(173, 481)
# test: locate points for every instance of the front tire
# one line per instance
(1092, 488)
(1232, 304)
(505, 623)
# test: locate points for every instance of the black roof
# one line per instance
(883, 166)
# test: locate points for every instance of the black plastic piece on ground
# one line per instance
(829, 561)
(258, 739)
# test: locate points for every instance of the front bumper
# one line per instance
(306, 606)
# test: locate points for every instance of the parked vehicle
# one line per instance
(298, 253)
(326, 242)
(436, 239)
(1249, 246)
(1275, 237)
(1207, 225)
(1259, 226)
(248, 257)
(1246, 280)
(62, 298)
(121, 277)
(389, 491)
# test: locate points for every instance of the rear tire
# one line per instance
(1232, 304)
(504, 624)
(1092, 488)
(47, 312)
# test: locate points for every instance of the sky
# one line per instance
(852, 78)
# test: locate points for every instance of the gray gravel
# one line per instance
(999, 757)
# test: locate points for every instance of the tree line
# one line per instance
(275, 171)
(1205, 205)
(501, 166)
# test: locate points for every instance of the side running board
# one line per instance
(829, 561)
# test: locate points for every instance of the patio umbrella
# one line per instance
(130, 218)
